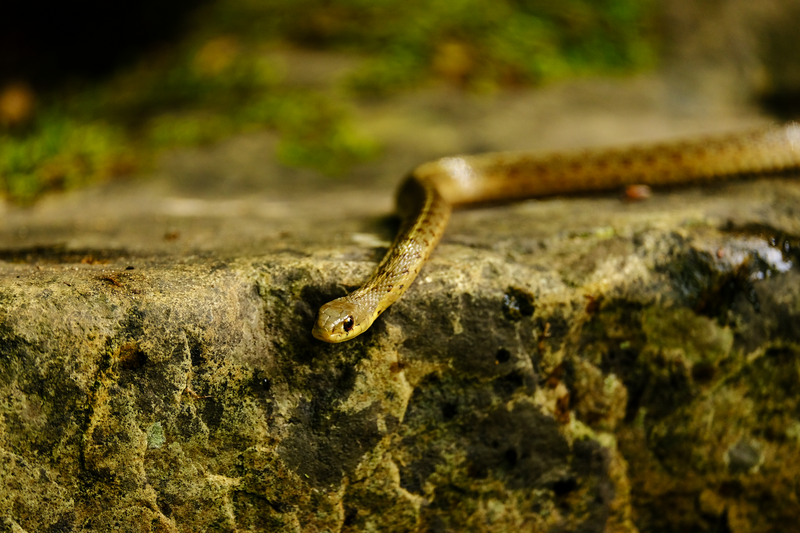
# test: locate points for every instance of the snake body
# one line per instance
(426, 198)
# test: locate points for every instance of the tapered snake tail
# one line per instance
(426, 198)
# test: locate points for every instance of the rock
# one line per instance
(583, 364)
(720, 53)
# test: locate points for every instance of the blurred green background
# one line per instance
(104, 98)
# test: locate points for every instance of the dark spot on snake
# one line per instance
(348, 324)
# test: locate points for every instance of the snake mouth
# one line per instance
(337, 333)
(321, 330)
(327, 336)
(321, 334)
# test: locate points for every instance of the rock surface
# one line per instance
(578, 364)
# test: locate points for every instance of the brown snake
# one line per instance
(426, 198)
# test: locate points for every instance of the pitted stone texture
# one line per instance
(578, 364)
(574, 374)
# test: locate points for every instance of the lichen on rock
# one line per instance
(560, 379)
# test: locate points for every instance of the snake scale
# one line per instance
(426, 198)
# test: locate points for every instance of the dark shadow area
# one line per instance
(44, 42)
(59, 254)
(783, 105)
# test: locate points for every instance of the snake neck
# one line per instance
(424, 218)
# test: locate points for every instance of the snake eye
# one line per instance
(348, 324)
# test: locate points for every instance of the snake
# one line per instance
(426, 198)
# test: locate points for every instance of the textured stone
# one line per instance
(579, 364)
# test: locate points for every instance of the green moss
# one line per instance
(59, 153)
(698, 339)
(187, 129)
(478, 42)
(218, 80)
(155, 435)
(314, 131)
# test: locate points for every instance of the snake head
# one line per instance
(338, 321)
